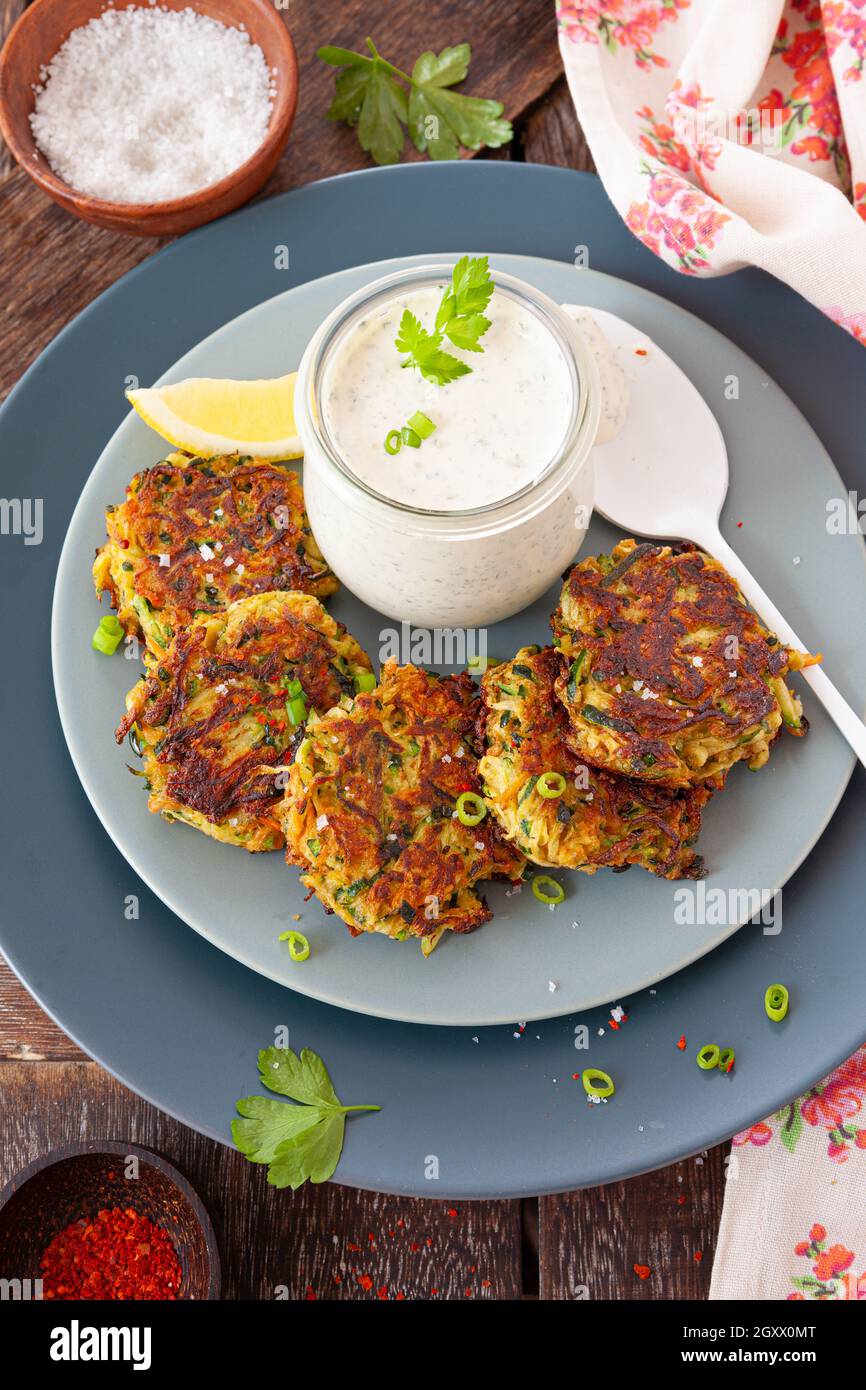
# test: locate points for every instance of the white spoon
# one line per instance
(655, 481)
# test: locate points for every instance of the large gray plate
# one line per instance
(615, 933)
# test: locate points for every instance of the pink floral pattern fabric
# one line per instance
(794, 1219)
(732, 134)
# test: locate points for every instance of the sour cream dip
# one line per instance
(479, 519)
(497, 428)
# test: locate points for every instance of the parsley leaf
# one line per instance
(369, 96)
(458, 318)
(299, 1142)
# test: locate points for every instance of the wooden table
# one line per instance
(332, 1242)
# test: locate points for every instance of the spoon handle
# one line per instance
(834, 703)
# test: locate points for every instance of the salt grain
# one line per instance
(147, 105)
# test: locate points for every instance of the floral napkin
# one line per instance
(732, 133)
(794, 1221)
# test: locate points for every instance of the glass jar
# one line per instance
(448, 569)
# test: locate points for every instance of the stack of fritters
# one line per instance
(598, 819)
(213, 718)
(667, 674)
(370, 810)
(195, 535)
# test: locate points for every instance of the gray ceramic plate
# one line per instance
(177, 1019)
(614, 934)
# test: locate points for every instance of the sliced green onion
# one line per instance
(133, 738)
(550, 785)
(108, 635)
(470, 808)
(708, 1057)
(597, 1083)
(547, 890)
(421, 424)
(776, 1002)
(727, 1057)
(297, 709)
(299, 946)
(293, 688)
(364, 681)
(411, 437)
(393, 442)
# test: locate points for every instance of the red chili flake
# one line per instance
(399, 1297)
(338, 1278)
(575, 1076)
(730, 1065)
(681, 1201)
(612, 1023)
(428, 1242)
(311, 1295)
(739, 523)
(682, 1043)
(124, 545)
(434, 1290)
(414, 1248)
(353, 1248)
(401, 1222)
(485, 1283)
(365, 1281)
(452, 1211)
(382, 1293)
(256, 698)
(699, 1255)
(116, 1255)
(642, 1271)
(640, 352)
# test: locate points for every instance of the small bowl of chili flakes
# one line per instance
(106, 1220)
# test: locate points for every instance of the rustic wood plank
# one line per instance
(9, 12)
(54, 265)
(551, 134)
(26, 1033)
(325, 1242)
(665, 1221)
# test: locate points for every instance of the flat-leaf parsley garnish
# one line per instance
(460, 318)
(298, 1142)
(370, 97)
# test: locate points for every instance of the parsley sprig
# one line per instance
(371, 97)
(298, 1142)
(459, 318)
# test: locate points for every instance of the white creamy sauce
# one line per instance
(614, 387)
(497, 429)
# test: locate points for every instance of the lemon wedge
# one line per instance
(208, 416)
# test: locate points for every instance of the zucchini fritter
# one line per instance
(672, 678)
(598, 818)
(212, 718)
(195, 535)
(369, 811)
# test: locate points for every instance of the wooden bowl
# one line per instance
(78, 1181)
(43, 28)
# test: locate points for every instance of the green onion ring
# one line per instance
(296, 709)
(393, 442)
(547, 890)
(727, 1057)
(776, 1002)
(299, 946)
(597, 1083)
(108, 635)
(550, 785)
(364, 681)
(411, 437)
(477, 809)
(421, 424)
(708, 1057)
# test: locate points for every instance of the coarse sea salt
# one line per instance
(145, 105)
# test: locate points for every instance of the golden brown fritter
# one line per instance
(369, 811)
(672, 678)
(214, 719)
(197, 534)
(596, 818)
